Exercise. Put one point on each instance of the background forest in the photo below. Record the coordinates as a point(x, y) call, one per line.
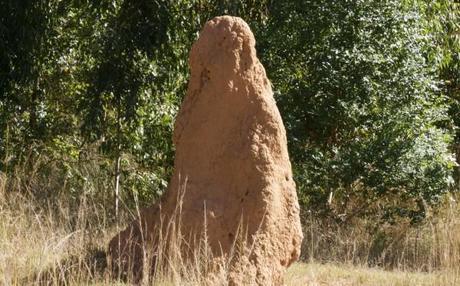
point(369, 92)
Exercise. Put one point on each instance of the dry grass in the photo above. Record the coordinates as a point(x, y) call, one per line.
point(60, 245)
point(428, 247)
point(38, 245)
point(314, 274)
point(63, 243)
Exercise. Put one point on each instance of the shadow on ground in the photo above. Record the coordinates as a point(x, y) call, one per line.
point(73, 270)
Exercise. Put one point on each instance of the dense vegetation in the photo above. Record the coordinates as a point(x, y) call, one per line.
point(368, 91)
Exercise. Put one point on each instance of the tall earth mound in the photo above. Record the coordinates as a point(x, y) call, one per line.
point(231, 154)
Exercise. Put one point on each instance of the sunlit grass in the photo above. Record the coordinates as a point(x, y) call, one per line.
point(57, 244)
point(314, 274)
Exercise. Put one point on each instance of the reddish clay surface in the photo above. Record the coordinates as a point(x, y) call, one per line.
point(231, 151)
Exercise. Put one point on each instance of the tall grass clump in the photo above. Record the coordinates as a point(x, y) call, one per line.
point(61, 239)
point(431, 245)
point(55, 227)
point(51, 240)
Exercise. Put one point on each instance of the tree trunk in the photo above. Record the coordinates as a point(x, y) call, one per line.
point(118, 160)
point(117, 182)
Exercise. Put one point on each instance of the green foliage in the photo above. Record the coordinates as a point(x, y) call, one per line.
point(442, 21)
point(25, 31)
point(360, 104)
